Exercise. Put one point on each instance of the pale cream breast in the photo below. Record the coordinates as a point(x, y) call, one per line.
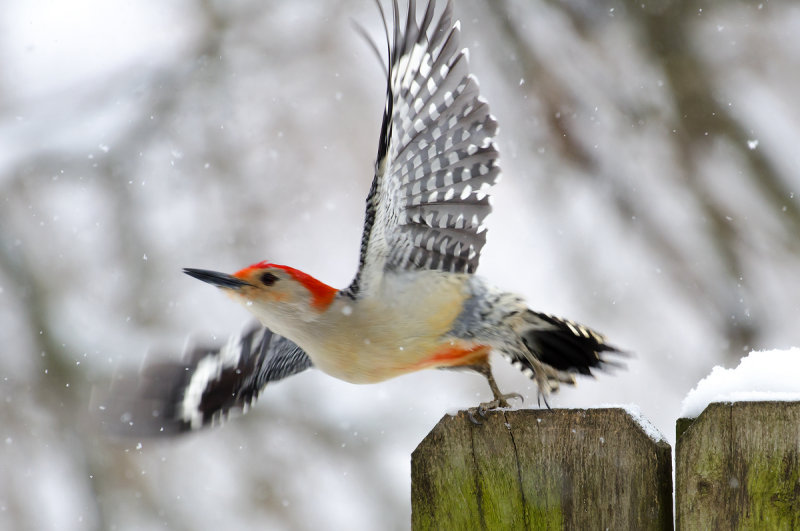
point(387, 332)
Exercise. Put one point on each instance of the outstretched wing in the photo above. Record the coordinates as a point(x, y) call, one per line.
point(436, 158)
point(172, 397)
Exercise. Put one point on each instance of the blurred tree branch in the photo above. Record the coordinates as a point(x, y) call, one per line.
point(697, 120)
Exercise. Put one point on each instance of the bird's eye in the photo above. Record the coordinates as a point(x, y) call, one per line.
point(268, 279)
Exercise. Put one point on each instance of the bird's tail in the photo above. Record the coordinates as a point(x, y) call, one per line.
point(558, 349)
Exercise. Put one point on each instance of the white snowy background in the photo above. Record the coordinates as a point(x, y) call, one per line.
point(650, 169)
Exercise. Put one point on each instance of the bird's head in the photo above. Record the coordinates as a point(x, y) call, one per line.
point(266, 288)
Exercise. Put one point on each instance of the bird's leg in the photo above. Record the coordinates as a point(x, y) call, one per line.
point(500, 399)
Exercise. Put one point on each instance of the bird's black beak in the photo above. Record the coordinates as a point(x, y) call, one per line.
point(220, 280)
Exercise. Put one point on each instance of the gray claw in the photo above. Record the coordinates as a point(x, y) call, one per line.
point(542, 398)
point(472, 417)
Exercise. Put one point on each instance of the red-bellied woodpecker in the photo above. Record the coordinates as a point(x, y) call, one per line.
point(414, 303)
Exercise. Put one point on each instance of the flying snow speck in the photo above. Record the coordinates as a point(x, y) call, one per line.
point(752, 144)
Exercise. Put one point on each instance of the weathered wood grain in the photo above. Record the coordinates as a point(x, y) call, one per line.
point(542, 469)
point(737, 467)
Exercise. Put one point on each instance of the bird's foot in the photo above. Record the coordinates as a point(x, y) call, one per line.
point(500, 401)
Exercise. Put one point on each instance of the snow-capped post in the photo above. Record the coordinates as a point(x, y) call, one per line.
point(737, 456)
point(543, 469)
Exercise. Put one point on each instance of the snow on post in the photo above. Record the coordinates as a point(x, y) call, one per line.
point(738, 462)
point(772, 375)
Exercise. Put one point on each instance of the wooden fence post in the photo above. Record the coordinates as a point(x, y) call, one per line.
point(737, 467)
point(541, 469)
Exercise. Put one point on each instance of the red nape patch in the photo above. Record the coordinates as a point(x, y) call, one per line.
point(322, 295)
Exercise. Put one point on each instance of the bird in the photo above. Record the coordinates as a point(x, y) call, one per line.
point(416, 301)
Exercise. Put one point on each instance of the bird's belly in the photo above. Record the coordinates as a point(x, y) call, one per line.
point(405, 326)
point(372, 361)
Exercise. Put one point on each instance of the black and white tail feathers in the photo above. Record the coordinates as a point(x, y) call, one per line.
point(171, 397)
point(559, 349)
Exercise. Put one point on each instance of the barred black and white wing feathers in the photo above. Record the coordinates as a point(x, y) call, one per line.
point(173, 397)
point(436, 157)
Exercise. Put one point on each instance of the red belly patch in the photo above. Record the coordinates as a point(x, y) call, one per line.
point(454, 356)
